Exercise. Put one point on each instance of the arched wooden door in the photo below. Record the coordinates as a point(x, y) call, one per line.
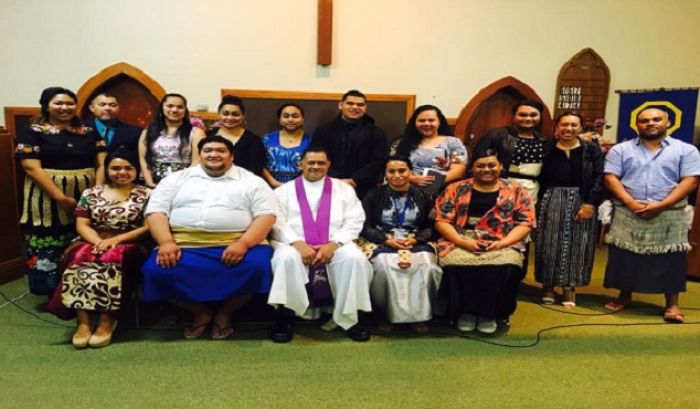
point(492, 108)
point(138, 94)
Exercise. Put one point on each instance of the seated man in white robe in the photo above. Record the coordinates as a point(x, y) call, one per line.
point(316, 265)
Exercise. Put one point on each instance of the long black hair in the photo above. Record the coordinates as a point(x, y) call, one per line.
point(411, 138)
point(158, 125)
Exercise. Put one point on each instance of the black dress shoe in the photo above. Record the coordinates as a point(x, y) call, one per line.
point(282, 332)
point(359, 333)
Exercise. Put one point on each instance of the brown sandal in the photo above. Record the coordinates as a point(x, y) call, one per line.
point(616, 305)
point(674, 316)
point(218, 332)
point(195, 331)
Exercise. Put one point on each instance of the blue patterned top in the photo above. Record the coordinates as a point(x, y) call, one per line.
point(451, 149)
point(282, 162)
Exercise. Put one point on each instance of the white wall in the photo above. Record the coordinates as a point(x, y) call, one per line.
point(444, 51)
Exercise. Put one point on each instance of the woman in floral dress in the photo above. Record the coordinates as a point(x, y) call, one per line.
point(483, 222)
point(166, 145)
point(110, 251)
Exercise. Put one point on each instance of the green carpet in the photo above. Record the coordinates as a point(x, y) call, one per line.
point(599, 366)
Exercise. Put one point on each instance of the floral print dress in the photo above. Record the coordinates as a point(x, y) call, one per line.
point(91, 281)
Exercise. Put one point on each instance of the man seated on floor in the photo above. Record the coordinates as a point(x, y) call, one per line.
point(319, 217)
point(210, 222)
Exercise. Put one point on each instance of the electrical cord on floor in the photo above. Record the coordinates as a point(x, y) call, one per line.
point(32, 313)
point(538, 336)
point(482, 339)
point(539, 303)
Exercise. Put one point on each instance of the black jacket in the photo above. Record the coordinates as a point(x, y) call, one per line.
point(503, 140)
point(589, 167)
point(379, 198)
point(125, 136)
point(357, 150)
point(249, 152)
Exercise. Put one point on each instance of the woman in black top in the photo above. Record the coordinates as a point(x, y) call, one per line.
point(571, 189)
point(248, 150)
point(60, 157)
point(406, 274)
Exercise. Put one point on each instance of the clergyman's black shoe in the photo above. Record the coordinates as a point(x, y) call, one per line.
point(359, 333)
point(282, 332)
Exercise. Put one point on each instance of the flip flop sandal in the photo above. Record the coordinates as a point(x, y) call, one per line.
point(674, 317)
point(615, 305)
point(196, 330)
point(219, 333)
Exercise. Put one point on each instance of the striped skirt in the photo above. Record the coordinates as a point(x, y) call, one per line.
point(564, 246)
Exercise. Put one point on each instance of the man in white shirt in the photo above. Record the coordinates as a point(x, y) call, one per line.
point(318, 219)
point(210, 222)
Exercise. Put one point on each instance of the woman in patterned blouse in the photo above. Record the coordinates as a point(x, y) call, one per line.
point(426, 142)
point(60, 157)
point(109, 254)
point(483, 222)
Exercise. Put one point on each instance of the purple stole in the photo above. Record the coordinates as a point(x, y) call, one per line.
point(316, 232)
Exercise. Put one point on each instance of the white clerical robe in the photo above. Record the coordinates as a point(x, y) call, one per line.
point(349, 271)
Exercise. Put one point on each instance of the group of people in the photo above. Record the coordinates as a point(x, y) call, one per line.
point(353, 224)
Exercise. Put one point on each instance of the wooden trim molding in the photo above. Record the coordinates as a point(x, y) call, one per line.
point(121, 68)
point(410, 100)
point(468, 111)
point(11, 270)
point(12, 112)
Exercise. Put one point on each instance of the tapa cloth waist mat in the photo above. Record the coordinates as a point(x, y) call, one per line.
point(665, 233)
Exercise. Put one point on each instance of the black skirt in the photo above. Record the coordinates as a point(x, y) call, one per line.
point(485, 291)
point(646, 273)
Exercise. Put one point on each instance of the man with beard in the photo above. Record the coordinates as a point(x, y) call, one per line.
point(357, 149)
point(520, 147)
point(650, 178)
point(115, 133)
point(210, 222)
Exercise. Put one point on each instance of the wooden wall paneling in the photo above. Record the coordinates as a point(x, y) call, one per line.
point(11, 239)
point(583, 85)
point(17, 118)
point(492, 106)
point(138, 93)
point(390, 111)
point(694, 254)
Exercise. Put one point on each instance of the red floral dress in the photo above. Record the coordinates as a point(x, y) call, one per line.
point(513, 208)
point(94, 281)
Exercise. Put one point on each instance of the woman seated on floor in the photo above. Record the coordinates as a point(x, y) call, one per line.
point(483, 222)
point(397, 230)
point(110, 251)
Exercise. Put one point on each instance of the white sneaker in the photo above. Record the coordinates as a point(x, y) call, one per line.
point(487, 325)
point(466, 322)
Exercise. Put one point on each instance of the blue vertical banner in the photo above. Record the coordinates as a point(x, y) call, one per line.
point(680, 105)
